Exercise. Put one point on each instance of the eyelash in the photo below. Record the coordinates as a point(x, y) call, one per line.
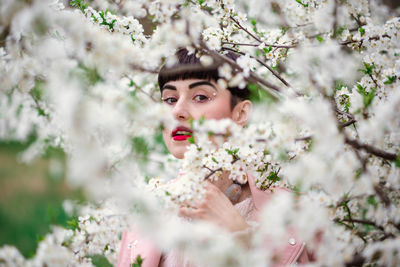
point(171, 100)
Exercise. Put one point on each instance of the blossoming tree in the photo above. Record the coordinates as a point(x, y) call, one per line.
point(324, 75)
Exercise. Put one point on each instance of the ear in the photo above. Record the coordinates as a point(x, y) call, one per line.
point(241, 112)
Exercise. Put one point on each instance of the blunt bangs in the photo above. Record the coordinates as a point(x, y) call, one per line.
point(189, 67)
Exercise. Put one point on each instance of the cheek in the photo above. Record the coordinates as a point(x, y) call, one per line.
point(218, 109)
point(165, 134)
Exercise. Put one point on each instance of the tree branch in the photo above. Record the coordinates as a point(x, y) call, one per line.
point(276, 74)
point(253, 77)
point(370, 149)
point(266, 44)
point(258, 39)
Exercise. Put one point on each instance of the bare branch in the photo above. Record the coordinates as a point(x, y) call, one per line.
point(305, 138)
point(363, 222)
point(382, 195)
point(253, 77)
point(362, 40)
point(212, 172)
point(370, 149)
point(266, 44)
point(258, 39)
point(276, 74)
point(347, 123)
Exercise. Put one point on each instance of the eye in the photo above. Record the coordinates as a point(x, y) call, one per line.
point(169, 100)
point(201, 98)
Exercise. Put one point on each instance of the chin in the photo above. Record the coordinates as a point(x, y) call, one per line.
point(178, 153)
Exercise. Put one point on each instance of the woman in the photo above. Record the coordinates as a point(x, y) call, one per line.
point(192, 95)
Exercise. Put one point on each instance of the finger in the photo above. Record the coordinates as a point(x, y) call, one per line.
point(188, 212)
point(209, 186)
point(191, 203)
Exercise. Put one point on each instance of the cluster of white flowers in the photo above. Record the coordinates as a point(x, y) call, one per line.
point(82, 78)
point(221, 146)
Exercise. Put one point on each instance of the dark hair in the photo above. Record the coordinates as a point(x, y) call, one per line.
point(182, 71)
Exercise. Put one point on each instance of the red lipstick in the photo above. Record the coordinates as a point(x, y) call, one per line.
point(181, 133)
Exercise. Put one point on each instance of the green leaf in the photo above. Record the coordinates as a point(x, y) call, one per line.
point(368, 97)
point(191, 140)
point(213, 159)
point(253, 22)
point(301, 3)
point(319, 38)
point(367, 68)
point(273, 176)
point(191, 121)
point(79, 4)
point(361, 30)
point(372, 201)
point(267, 50)
point(339, 30)
point(202, 119)
point(397, 161)
point(73, 224)
point(284, 30)
point(390, 79)
point(167, 193)
point(95, 19)
point(138, 262)
point(100, 261)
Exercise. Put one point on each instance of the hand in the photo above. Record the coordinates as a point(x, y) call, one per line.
point(217, 208)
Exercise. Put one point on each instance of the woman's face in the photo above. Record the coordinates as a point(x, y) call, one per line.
point(192, 99)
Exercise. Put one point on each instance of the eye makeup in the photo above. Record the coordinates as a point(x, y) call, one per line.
point(196, 95)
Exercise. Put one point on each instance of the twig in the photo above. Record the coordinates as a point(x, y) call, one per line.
point(266, 44)
point(276, 74)
point(335, 16)
point(362, 40)
point(347, 123)
point(370, 149)
point(357, 261)
point(364, 222)
point(360, 235)
point(305, 138)
point(139, 68)
point(243, 28)
point(258, 39)
point(353, 142)
point(382, 195)
point(367, 222)
point(219, 169)
point(253, 77)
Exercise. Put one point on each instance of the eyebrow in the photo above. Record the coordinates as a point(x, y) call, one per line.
point(191, 86)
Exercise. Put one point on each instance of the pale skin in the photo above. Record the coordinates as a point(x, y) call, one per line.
point(193, 99)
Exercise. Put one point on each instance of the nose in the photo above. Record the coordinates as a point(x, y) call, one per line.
point(180, 110)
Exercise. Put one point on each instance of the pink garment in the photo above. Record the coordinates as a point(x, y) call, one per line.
point(133, 244)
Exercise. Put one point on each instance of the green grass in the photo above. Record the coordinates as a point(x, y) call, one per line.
point(30, 198)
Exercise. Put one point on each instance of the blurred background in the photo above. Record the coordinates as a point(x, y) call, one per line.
point(31, 196)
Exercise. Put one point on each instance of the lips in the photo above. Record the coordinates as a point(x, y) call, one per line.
point(181, 133)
